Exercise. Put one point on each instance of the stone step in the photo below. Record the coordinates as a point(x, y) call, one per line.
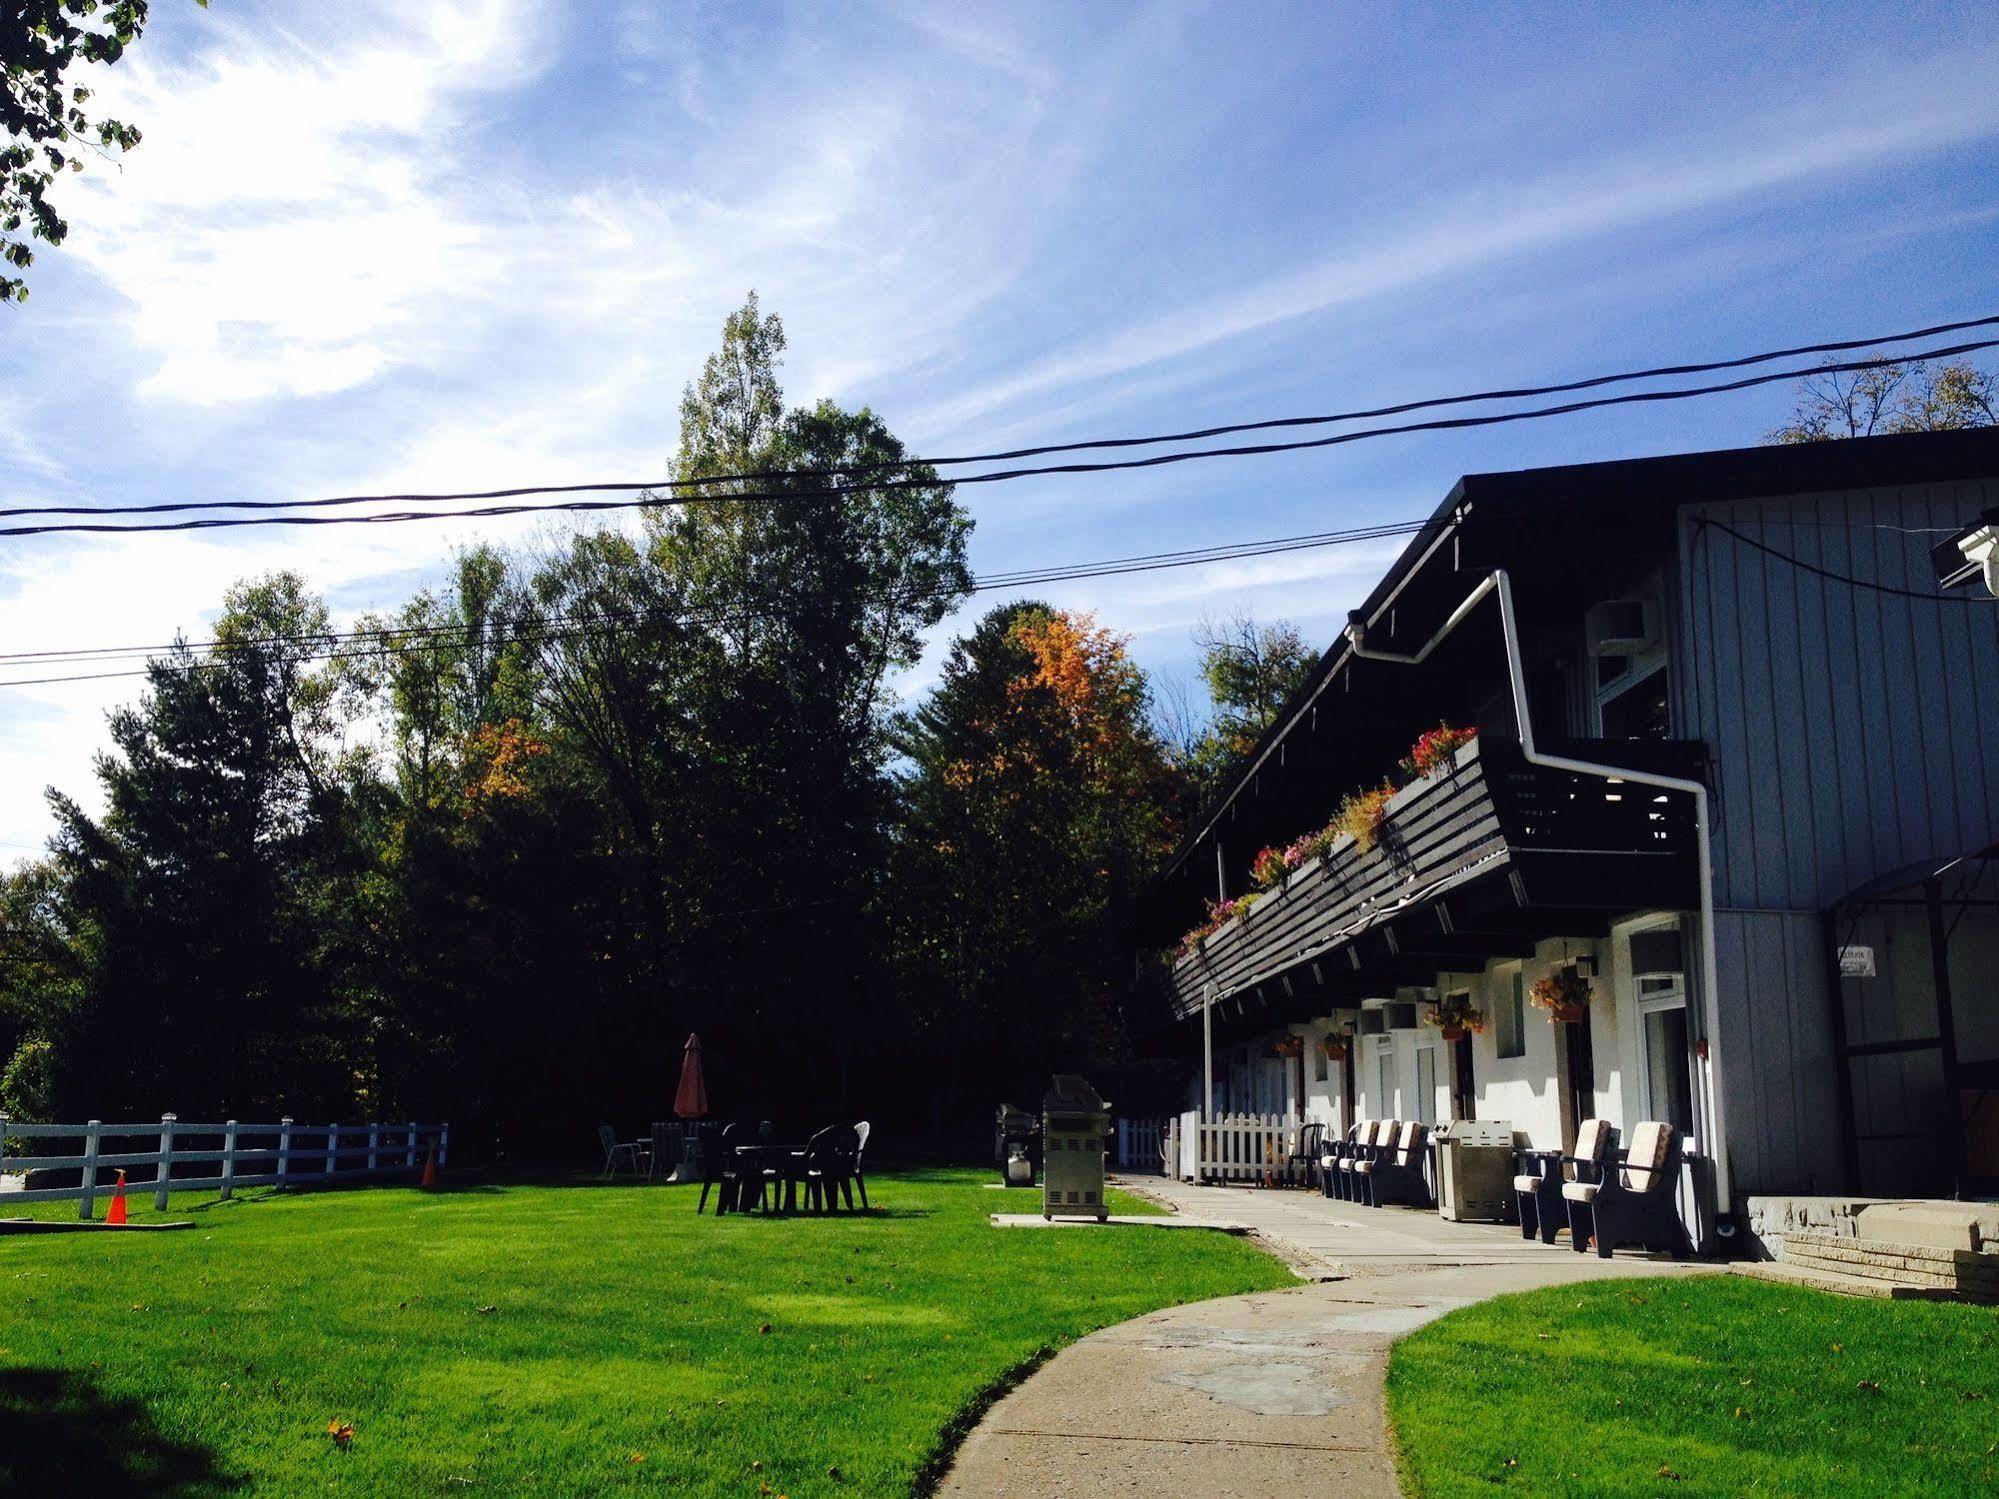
point(1926, 1279)
point(1783, 1272)
point(1928, 1254)
point(1972, 1276)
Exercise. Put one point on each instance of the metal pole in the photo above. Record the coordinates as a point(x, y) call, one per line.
point(164, 1177)
point(228, 1159)
point(87, 1203)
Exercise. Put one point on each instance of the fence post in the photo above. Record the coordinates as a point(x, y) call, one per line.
point(444, 1146)
point(87, 1204)
point(332, 1148)
point(409, 1141)
point(3, 1141)
point(163, 1177)
point(284, 1150)
point(228, 1159)
point(374, 1147)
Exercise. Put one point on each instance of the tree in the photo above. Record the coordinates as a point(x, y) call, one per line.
point(1250, 672)
point(815, 599)
point(1915, 396)
point(43, 115)
point(1035, 800)
point(202, 916)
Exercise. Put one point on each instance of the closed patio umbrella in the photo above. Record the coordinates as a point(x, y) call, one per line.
point(690, 1102)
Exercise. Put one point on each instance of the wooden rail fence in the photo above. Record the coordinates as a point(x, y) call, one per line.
point(245, 1155)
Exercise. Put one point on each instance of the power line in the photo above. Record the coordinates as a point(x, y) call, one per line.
point(1935, 597)
point(1011, 454)
point(560, 625)
point(650, 500)
point(1018, 577)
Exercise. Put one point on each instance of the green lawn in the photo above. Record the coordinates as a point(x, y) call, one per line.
point(1715, 1385)
point(574, 1339)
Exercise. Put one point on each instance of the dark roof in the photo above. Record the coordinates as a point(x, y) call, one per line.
point(1608, 509)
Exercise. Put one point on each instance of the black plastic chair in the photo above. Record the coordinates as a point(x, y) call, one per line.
point(856, 1176)
point(1543, 1209)
point(1395, 1172)
point(1635, 1202)
point(718, 1169)
point(1374, 1139)
point(1311, 1140)
point(826, 1159)
point(1332, 1152)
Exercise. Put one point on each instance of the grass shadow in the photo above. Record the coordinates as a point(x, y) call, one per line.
point(59, 1434)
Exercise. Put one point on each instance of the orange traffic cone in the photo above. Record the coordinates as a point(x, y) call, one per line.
point(117, 1213)
point(430, 1170)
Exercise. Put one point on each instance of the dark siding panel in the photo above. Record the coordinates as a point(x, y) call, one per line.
point(1853, 733)
point(1847, 725)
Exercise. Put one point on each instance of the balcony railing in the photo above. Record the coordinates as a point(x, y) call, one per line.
point(1527, 837)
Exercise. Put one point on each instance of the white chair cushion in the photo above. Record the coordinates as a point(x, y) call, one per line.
point(1580, 1191)
point(1649, 1144)
point(1365, 1168)
point(1592, 1140)
point(1526, 1183)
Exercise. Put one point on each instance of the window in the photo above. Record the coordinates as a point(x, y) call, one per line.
point(1318, 1061)
point(1662, 1017)
point(1426, 1084)
point(1509, 1020)
point(1638, 709)
point(1384, 1062)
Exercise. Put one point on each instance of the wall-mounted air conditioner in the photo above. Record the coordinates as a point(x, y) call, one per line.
point(1372, 1022)
point(1401, 1017)
point(1622, 627)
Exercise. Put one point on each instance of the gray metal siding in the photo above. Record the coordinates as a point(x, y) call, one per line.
point(1779, 1084)
point(1854, 733)
point(1849, 726)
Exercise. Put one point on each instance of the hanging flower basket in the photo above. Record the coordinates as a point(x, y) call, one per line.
point(1564, 994)
point(1454, 1017)
point(1288, 1046)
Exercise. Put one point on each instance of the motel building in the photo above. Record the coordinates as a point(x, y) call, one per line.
point(1727, 787)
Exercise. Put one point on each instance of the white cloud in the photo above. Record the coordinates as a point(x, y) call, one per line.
point(1887, 117)
point(281, 231)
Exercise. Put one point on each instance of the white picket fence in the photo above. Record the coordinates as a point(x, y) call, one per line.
point(1140, 1143)
point(1233, 1147)
point(290, 1154)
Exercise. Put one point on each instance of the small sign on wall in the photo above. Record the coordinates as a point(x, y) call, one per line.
point(1856, 962)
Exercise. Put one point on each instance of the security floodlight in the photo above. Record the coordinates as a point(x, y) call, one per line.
point(1971, 553)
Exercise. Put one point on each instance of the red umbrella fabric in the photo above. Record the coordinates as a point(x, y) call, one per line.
point(690, 1101)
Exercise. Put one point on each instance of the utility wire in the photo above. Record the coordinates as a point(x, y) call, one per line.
point(530, 629)
point(1934, 597)
point(1042, 450)
point(1053, 572)
point(653, 501)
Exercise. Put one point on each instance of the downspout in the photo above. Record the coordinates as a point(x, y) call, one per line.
point(1709, 1117)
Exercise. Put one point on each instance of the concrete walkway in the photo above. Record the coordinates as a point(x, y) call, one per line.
point(1265, 1394)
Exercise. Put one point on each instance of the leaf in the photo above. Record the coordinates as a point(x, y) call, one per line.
point(342, 1432)
point(1667, 1472)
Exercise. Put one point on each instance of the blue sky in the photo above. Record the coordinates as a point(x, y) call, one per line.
point(420, 245)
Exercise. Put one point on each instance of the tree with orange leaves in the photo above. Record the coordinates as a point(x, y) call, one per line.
point(1035, 801)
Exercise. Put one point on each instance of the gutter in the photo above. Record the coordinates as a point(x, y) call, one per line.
point(1708, 1114)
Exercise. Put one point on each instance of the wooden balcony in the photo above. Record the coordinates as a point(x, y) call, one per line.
point(1473, 863)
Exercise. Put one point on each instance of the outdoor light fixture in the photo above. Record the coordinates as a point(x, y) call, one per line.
point(1971, 553)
